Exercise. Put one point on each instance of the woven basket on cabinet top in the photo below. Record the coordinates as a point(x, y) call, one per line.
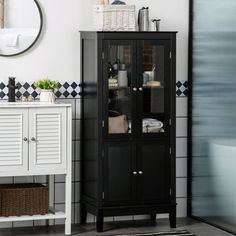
point(23, 199)
point(114, 17)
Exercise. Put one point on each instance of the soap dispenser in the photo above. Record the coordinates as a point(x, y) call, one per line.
point(12, 89)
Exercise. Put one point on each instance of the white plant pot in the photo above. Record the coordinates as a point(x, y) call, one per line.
point(47, 96)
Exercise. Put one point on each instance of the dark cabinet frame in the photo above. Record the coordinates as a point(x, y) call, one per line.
point(96, 143)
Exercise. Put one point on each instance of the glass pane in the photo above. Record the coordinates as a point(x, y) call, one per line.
point(119, 86)
point(213, 112)
point(153, 88)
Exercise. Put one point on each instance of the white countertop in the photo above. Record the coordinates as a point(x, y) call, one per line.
point(19, 104)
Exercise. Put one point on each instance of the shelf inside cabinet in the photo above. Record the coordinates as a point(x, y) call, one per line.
point(152, 87)
point(118, 88)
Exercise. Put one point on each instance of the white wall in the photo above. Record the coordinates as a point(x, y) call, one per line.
point(57, 53)
point(21, 14)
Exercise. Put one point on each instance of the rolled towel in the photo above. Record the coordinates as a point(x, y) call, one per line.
point(11, 40)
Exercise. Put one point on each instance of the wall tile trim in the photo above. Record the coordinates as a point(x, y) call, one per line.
point(65, 90)
point(69, 90)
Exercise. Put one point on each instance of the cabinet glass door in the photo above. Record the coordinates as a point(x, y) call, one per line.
point(153, 86)
point(119, 63)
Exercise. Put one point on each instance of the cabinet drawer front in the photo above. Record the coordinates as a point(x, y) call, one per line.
point(47, 138)
point(13, 148)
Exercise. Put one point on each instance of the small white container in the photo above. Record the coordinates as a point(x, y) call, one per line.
point(150, 75)
point(47, 96)
point(122, 78)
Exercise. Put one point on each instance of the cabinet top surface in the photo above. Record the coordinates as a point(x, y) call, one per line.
point(5, 104)
point(132, 32)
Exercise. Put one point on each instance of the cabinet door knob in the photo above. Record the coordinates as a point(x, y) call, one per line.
point(25, 139)
point(134, 89)
point(140, 89)
point(140, 172)
point(135, 173)
point(33, 139)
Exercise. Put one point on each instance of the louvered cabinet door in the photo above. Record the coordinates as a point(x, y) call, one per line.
point(47, 134)
point(13, 147)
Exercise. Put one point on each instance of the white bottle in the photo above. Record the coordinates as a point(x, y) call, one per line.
point(122, 78)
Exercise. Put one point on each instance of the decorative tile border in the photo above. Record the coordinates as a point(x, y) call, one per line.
point(182, 88)
point(69, 90)
point(65, 90)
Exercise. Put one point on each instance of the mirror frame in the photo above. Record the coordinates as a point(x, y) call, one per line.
point(36, 39)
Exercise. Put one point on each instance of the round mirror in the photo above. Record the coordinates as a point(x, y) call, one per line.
point(20, 26)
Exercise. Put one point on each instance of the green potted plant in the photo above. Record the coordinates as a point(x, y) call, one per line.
point(47, 87)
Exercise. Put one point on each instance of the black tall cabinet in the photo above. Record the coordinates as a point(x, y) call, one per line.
point(128, 124)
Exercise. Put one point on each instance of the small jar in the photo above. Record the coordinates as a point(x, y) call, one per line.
point(30, 98)
point(24, 99)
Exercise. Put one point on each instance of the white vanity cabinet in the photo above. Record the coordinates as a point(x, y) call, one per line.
point(36, 139)
point(33, 140)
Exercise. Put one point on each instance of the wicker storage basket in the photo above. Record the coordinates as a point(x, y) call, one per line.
point(114, 17)
point(23, 199)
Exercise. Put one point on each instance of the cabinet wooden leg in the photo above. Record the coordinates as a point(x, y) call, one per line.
point(99, 221)
point(153, 217)
point(172, 217)
point(83, 214)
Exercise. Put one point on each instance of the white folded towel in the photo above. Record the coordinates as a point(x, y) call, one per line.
point(152, 123)
point(153, 129)
point(152, 126)
point(113, 81)
point(11, 40)
point(113, 85)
